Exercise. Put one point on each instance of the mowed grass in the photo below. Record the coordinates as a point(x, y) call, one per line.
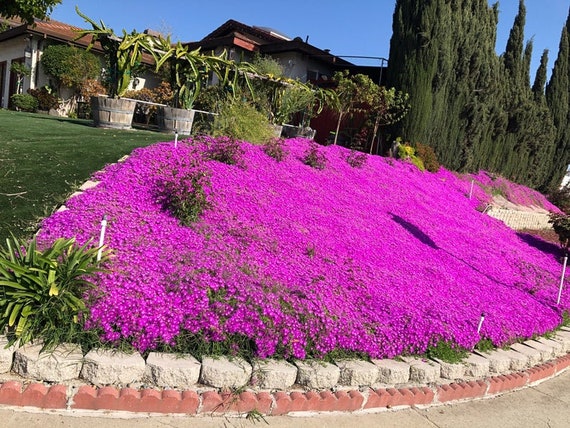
point(44, 159)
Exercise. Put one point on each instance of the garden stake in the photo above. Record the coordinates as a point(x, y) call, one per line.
point(175, 139)
point(471, 189)
point(102, 237)
point(562, 278)
point(481, 322)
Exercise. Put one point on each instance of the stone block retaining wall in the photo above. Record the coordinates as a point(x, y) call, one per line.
point(520, 219)
point(168, 383)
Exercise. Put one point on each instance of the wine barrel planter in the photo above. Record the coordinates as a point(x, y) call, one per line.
point(116, 113)
point(171, 119)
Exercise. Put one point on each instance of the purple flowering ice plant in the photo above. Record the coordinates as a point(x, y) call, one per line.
point(382, 260)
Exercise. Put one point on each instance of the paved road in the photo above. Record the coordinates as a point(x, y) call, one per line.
point(546, 405)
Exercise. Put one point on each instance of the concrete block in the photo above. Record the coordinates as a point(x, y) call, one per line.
point(476, 366)
point(6, 355)
point(273, 374)
point(518, 360)
point(563, 337)
point(392, 372)
point(557, 347)
point(451, 370)
point(89, 184)
point(171, 370)
point(546, 351)
point(62, 364)
point(533, 355)
point(499, 362)
point(223, 372)
point(109, 367)
point(357, 372)
point(317, 374)
point(423, 371)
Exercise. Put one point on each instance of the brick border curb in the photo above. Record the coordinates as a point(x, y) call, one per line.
point(62, 397)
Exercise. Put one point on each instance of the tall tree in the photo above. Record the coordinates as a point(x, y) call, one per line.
point(27, 9)
point(558, 99)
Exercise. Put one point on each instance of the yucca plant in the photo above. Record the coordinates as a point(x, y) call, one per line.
point(41, 290)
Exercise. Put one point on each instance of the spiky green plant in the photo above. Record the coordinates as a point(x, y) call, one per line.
point(41, 291)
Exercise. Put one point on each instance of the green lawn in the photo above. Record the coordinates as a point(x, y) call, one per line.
point(43, 159)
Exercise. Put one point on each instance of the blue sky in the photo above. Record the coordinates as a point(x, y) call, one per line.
point(355, 27)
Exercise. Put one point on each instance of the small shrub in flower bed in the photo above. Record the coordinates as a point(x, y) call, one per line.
point(293, 261)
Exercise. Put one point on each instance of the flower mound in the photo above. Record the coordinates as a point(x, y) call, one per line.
point(381, 259)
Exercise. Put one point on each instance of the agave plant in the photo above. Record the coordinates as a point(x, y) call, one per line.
point(41, 290)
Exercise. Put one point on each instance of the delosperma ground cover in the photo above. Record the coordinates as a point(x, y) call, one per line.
point(383, 259)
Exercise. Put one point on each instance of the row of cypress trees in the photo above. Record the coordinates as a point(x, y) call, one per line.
point(476, 109)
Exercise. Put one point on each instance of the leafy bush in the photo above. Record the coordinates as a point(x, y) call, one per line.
point(240, 120)
point(561, 225)
point(70, 66)
point(428, 157)
point(46, 100)
point(182, 192)
point(407, 152)
point(561, 198)
point(24, 102)
point(143, 112)
point(223, 149)
point(276, 149)
point(356, 159)
point(91, 88)
point(314, 157)
point(41, 290)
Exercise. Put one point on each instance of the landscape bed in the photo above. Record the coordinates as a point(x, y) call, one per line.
point(289, 260)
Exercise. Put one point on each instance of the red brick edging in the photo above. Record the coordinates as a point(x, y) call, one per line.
point(38, 395)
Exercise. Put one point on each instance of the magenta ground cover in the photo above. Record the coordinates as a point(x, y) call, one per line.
point(383, 259)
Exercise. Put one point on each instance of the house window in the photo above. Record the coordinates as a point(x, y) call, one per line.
point(312, 75)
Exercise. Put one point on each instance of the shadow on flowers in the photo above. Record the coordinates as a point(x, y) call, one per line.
point(415, 231)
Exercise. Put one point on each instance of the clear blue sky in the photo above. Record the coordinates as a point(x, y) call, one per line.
point(355, 27)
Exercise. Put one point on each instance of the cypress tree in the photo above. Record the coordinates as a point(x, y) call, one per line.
point(558, 99)
point(413, 63)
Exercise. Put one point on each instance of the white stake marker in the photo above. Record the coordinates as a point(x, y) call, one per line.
point(102, 237)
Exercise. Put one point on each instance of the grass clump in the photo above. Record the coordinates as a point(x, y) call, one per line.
point(446, 351)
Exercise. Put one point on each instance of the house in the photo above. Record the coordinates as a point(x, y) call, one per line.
point(299, 59)
point(24, 43)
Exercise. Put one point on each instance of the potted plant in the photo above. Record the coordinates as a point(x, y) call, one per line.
point(189, 71)
point(123, 55)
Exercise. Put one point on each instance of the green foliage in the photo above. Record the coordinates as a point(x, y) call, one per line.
point(21, 70)
point(485, 345)
point(70, 66)
point(224, 149)
point(314, 157)
point(356, 159)
point(24, 102)
point(561, 198)
point(185, 195)
point(561, 225)
point(407, 152)
point(447, 351)
point(275, 148)
point(41, 291)
point(240, 120)
point(46, 99)
point(474, 108)
point(123, 54)
point(428, 156)
point(266, 65)
point(27, 9)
